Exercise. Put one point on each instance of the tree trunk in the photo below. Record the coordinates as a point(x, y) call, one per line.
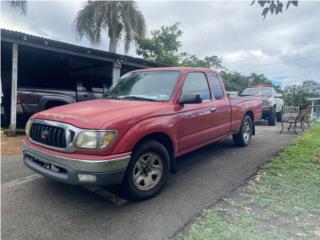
point(113, 45)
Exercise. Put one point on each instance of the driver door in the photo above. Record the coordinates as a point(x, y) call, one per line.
point(194, 120)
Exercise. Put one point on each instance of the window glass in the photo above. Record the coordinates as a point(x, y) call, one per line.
point(264, 92)
point(217, 88)
point(147, 85)
point(196, 83)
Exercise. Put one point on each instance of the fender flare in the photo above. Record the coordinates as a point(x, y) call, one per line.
point(45, 99)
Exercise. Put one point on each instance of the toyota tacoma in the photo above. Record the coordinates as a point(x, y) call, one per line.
point(133, 135)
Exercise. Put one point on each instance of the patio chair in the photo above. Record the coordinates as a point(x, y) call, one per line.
point(294, 121)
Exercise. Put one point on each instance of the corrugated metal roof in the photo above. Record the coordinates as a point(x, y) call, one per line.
point(28, 39)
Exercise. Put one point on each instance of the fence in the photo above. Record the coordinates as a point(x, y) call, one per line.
point(290, 111)
point(316, 112)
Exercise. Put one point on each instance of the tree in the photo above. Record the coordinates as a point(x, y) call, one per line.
point(117, 18)
point(162, 46)
point(193, 61)
point(234, 81)
point(273, 6)
point(296, 95)
point(311, 86)
point(258, 79)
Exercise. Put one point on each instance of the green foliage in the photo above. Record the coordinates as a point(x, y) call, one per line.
point(296, 95)
point(258, 79)
point(282, 202)
point(273, 6)
point(117, 18)
point(162, 46)
point(188, 60)
point(235, 81)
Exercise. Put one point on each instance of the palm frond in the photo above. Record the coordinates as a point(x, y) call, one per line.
point(21, 6)
point(117, 18)
point(133, 22)
point(89, 21)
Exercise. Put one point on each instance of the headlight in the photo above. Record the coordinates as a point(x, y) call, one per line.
point(28, 127)
point(94, 139)
point(87, 140)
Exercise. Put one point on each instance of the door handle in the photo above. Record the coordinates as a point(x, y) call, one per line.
point(213, 109)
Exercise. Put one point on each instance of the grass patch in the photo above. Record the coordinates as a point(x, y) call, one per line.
point(282, 202)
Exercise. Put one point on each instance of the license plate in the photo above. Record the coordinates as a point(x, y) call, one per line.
point(48, 166)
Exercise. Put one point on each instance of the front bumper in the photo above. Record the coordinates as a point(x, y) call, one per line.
point(266, 112)
point(69, 170)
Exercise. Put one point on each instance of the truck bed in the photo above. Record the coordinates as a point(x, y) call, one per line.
point(239, 99)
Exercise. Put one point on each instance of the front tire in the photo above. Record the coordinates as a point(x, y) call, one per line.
point(279, 116)
point(272, 120)
point(243, 138)
point(147, 172)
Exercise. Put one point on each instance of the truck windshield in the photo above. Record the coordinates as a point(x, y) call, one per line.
point(144, 86)
point(263, 92)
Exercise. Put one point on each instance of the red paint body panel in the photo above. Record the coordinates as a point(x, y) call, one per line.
point(189, 126)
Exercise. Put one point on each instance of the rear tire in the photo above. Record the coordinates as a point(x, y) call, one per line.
point(243, 138)
point(272, 120)
point(147, 172)
point(279, 116)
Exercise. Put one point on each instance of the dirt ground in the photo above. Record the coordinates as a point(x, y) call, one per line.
point(11, 145)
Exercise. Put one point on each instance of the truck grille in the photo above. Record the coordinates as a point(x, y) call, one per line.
point(48, 135)
point(265, 102)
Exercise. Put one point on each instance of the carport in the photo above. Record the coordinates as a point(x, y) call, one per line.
point(32, 61)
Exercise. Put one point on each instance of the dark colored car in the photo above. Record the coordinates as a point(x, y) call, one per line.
point(33, 100)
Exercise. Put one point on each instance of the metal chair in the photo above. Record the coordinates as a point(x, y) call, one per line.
point(300, 118)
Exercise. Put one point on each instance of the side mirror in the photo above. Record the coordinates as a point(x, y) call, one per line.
point(279, 95)
point(190, 99)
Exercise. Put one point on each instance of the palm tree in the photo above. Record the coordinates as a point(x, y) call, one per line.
point(117, 18)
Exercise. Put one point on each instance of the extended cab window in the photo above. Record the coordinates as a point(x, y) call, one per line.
point(196, 83)
point(217, 88)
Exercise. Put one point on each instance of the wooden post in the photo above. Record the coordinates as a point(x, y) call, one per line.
point(312, 109)
point(14, 84)
point(116, 71)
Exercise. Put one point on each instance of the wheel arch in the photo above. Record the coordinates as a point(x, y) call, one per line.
point(165, 140)
point(47, 100)
point(54, 103)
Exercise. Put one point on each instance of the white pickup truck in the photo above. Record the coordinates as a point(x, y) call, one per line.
point(272, 102)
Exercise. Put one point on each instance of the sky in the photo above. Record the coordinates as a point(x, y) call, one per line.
point(285, 48)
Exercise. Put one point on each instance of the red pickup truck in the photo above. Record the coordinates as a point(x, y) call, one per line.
point(133, 135)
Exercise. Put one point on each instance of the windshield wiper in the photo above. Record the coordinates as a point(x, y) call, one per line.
point(138, 98)
point(110, 97)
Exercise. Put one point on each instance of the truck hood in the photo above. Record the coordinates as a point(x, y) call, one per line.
point(104, 113)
